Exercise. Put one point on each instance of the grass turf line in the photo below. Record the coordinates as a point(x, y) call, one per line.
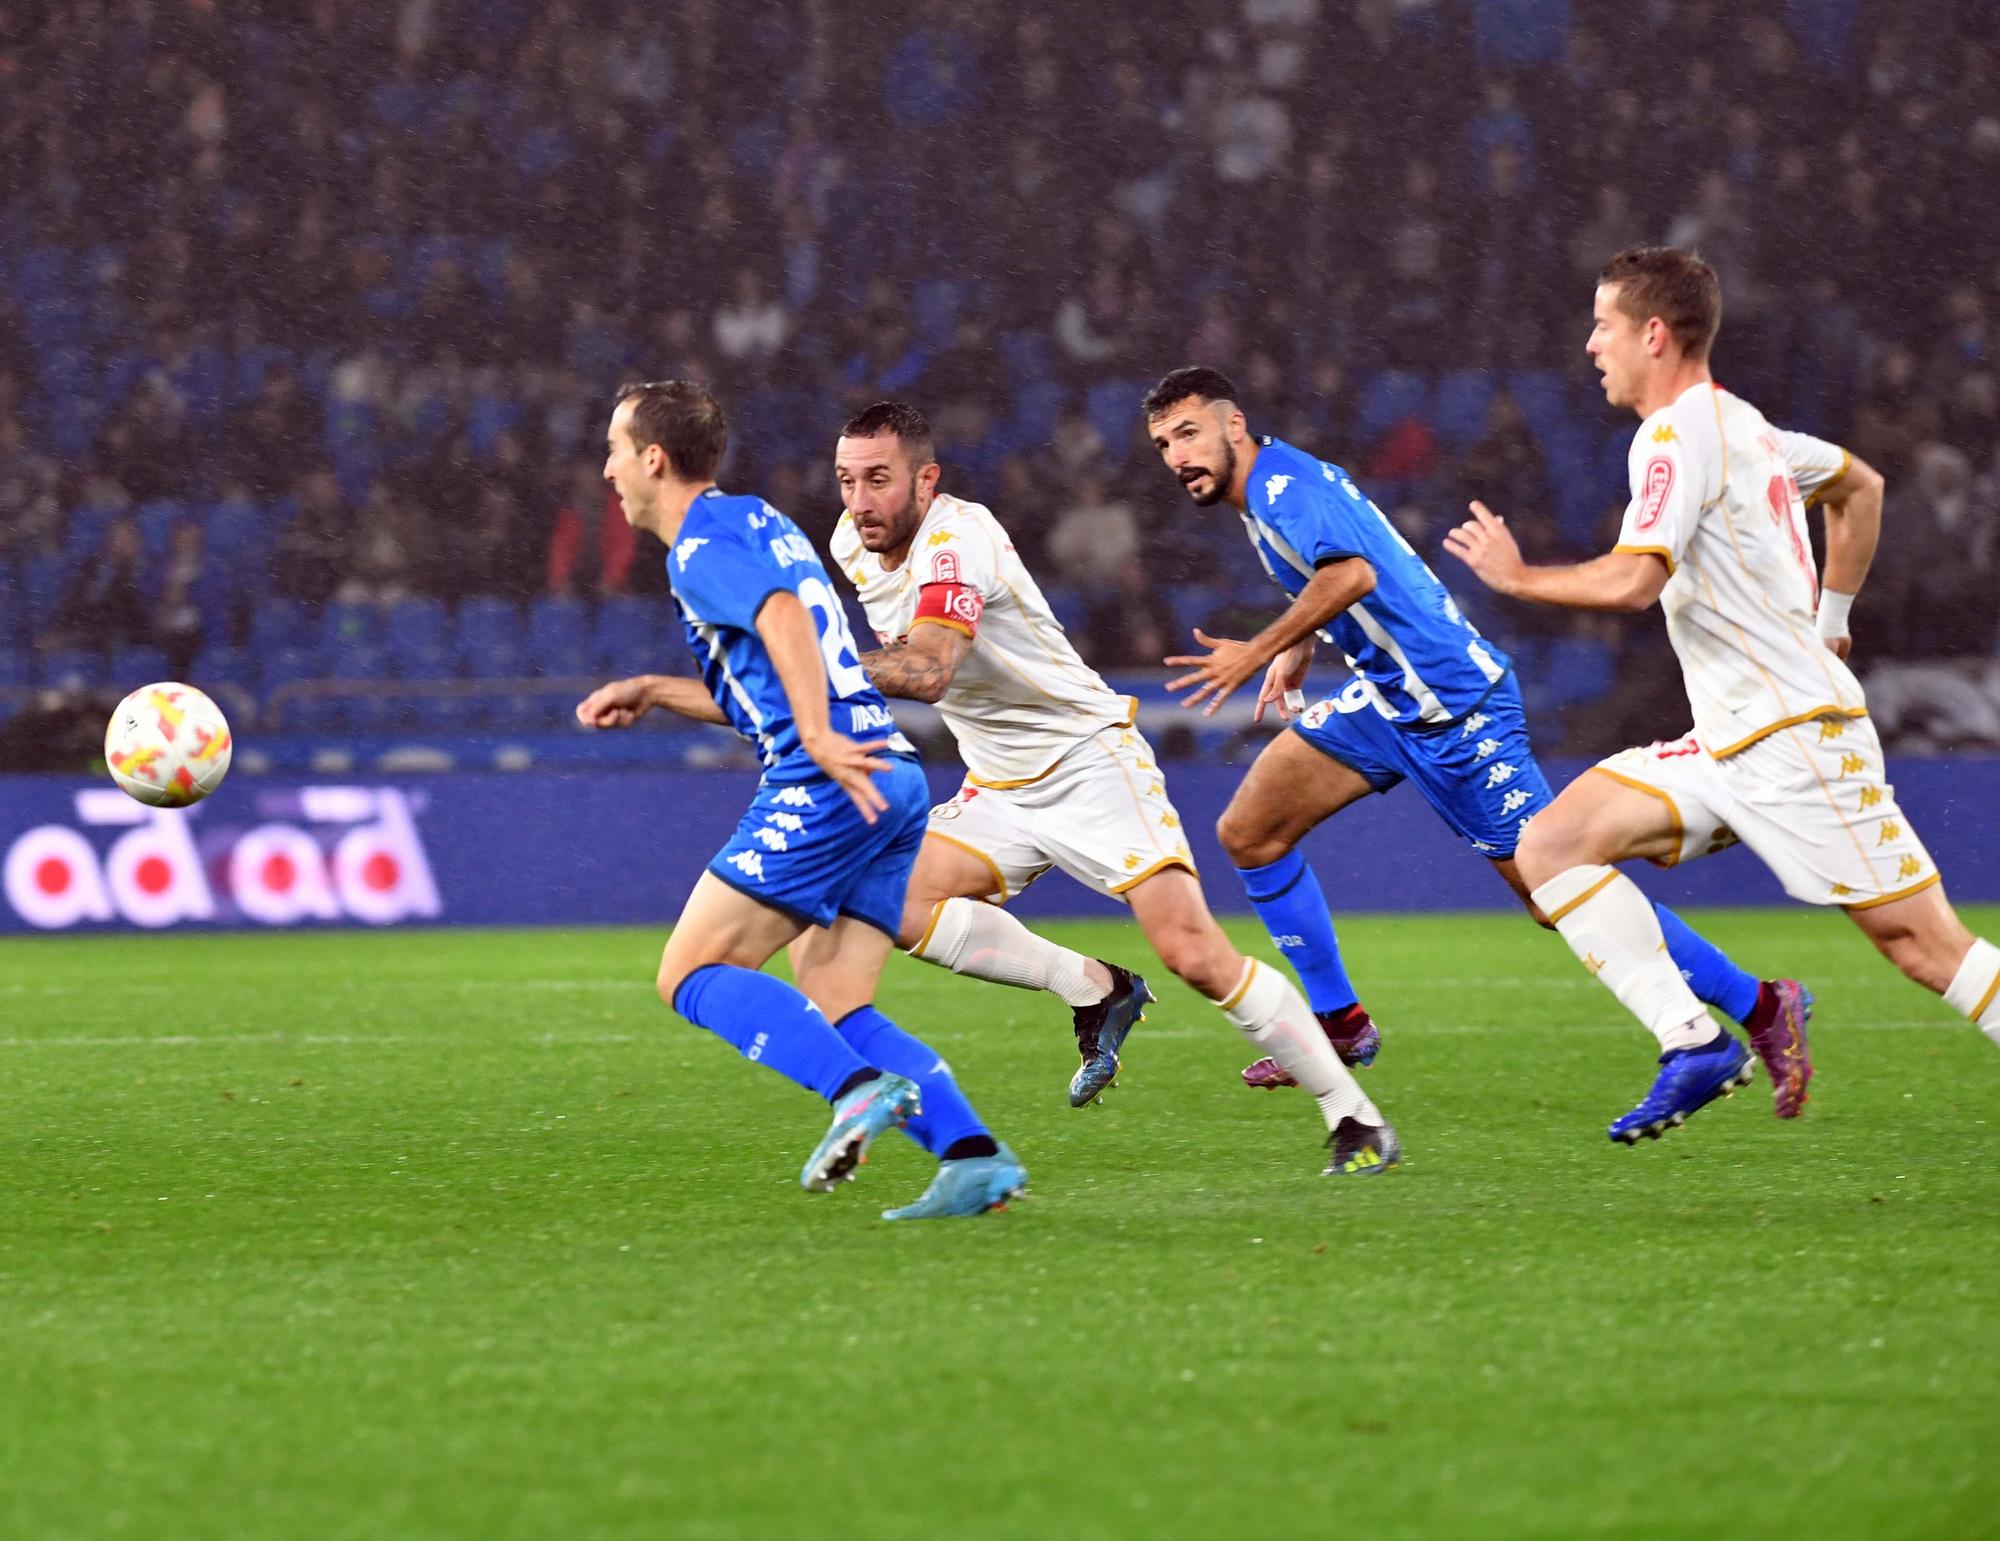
point(463, 1234)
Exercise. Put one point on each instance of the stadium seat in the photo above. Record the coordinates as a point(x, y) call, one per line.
point(416, 626)
point(17, 668)
point(67, 668)
point(43, 577)
point(1459, 414)
point(558, 636)
point(632, 634)
point(487, 639)
point(1539, 393)
point(1113, 409)
point(222, 665)
point(278, 624)
point(131, 667)
point(347, 625)
point(1387, 397)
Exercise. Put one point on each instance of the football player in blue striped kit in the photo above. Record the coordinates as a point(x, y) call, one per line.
point(1423, 697)
point(830, 837)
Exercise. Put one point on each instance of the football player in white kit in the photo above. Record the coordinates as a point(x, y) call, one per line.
point(1058, 776)
point(1782, 756)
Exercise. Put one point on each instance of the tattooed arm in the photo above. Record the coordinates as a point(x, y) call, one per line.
point(921, 666)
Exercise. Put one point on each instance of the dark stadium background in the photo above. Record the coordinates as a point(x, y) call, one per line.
point(309, 313)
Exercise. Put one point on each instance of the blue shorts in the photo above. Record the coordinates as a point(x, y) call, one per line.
point(804, 849)
point(1479, 773)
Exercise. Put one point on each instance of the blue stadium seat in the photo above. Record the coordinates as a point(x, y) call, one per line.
point(345, 625)
point(417, 626)
point(222, 665)
point(131, 667)
point(1113, 409)
point(1387, 397)
point(1038, 405)
point(345, 658)
point(17, 668)
point(1463, 399)
point(83, 534)
point(68, 667)
point(43, 577)
point(632, 634)
point(1539, 393)
point(487, 642)
point(558, 637)
point(938, 302)
point(277, 625)
point(284, 666)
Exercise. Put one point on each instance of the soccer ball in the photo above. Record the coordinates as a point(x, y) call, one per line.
point(167, 745)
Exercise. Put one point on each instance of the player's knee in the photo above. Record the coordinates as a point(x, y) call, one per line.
point(1190, 953)
point(1245, 841)
point(1548, 848)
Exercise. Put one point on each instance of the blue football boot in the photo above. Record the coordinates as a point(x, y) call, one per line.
point(967, 1187)
point(887, 1102)
point(1101, 1031)
point(1689, 1080)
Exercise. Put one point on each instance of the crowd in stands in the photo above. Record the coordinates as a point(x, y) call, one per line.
point(314, 310)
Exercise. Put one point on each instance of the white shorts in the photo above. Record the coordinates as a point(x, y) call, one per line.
point(1101, 814)
point(1809, 800)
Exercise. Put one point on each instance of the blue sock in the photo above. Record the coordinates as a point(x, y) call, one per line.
point(1708, 971)
point(947, 1117)
point(1287, 899)
point(767, 1020)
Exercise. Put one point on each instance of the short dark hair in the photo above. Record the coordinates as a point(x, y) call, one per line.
point(684, 419)
point(1675, 285)
point(899, 418)
point(1195, 380)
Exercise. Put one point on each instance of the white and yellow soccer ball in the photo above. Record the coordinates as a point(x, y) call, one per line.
point(167, 745)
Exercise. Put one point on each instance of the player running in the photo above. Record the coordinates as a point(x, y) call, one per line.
point(1427, 700)
point(1058, 777)
point(830, 836)
point(1782, 756)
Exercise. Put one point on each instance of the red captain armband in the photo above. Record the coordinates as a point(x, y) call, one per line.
point(956, 605)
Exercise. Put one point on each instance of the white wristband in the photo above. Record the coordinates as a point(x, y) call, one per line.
point(1295, 701)
point(1833, 608)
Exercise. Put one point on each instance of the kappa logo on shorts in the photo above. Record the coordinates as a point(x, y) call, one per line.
point(749, 863)
point(794, 797)
point(1659, 486)
point(787, 821)
point(1487, 746)
point(774, 840)
point(1500, 775)
point(1513, 800)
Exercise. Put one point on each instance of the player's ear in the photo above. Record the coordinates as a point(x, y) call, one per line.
point(927, 479)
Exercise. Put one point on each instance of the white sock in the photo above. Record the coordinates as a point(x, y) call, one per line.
point(1269, 1012)
point(1974, 990)
point(1610, 925)
point(969, 936)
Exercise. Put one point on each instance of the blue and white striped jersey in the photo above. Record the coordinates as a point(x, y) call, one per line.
point(732, 553)
point(1426, 663)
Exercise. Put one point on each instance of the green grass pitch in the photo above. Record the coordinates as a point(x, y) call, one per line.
point(464, 1235)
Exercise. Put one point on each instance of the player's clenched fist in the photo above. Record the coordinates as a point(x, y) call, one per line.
point(1487, 546)
point(617, 705)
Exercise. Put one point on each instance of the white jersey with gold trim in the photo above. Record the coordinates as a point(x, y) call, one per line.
point(1722, 496)
point(1022, 698)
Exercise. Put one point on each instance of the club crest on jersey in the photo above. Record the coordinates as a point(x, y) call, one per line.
point(944, 567)
point(1659, 486)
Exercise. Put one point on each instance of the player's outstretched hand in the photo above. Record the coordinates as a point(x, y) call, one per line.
point(1487, 546)
point(852, 766)
point(617, 705)
point(1284, 684)
point(1217, 674)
